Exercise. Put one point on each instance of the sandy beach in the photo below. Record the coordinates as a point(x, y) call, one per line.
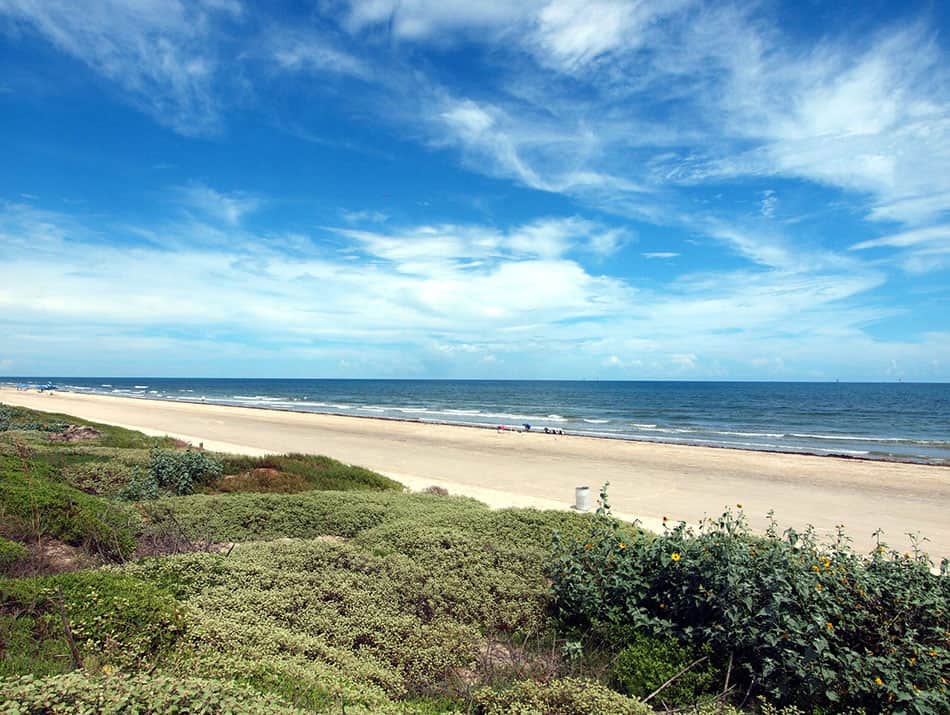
point(647, 481)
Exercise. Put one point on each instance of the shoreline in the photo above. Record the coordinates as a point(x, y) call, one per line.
point(647, 480)
point(894, 459)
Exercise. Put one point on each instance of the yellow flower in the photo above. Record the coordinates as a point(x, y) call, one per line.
point(675, 556)
point(912, 661)
point(588, 546)
point(815, 568)
point(827, 563)
point(817, 586)
point(623, 545)
point(878, 680)
point(830, 626)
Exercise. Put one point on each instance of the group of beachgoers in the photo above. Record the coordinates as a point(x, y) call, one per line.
point(527, 428)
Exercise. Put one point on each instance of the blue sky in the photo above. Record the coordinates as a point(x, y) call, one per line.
point(433, 188)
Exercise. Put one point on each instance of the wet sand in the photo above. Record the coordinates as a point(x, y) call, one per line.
point(647, 480)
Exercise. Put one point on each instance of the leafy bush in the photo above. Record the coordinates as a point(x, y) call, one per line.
point(81, 693)
point(35, 502)
point(813, 625)
point(566, 696)
point(289, 473)
point(646, 663)
point(177, 471)
point(115, 619)
point(10, 553)
point(181, 471)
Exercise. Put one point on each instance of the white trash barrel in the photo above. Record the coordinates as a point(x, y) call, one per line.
point(582, 498)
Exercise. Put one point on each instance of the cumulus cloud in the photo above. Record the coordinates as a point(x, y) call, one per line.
point(477, 291)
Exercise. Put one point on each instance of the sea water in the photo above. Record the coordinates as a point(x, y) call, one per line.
point(887, 421)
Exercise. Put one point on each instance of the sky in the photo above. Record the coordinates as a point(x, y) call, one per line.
point(608, 189)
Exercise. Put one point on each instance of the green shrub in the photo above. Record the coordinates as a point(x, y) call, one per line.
point(821, 627)
point(298, 472)
point(35, 502)
point(10, 553)
point(176, 471)
point(566, 696)
point(95, 476)
point(646, 663)
point(182, 470)
point(248, 517)
point(115, 618)
point(473, 576)
point(80, 693)
point(327, 601)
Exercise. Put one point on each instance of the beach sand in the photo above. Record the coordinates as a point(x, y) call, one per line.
point(647, 481)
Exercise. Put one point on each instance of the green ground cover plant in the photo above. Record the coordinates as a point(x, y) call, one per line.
point(10, 553)
point(36, 503)
point(115, 620)
point(299, 584)
point(290, 473)
point(141, 693)
point(806, 624)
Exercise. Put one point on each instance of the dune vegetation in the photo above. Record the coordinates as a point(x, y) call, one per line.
point(140, 575)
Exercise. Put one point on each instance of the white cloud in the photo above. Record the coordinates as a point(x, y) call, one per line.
point(478, 291)
point(226, 208)
point(161, 53)
point(934, 234)
point(660, 254)
point(424, 19)
point(571, 34)
point(302, 51)
point(418, 249)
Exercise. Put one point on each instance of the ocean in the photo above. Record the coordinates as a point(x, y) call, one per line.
point(885, 421)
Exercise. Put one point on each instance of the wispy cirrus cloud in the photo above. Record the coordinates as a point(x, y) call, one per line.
point(228, 208)
point(162, 54)
point(866, 114)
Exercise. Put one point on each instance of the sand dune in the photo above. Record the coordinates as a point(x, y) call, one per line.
point(647, 481)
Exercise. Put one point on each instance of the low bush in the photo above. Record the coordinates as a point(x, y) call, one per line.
point(567, 696)
point(476, 577)
point(23, 419)
point(115, 619)
point(35, 502)
point(647, 663)
point(10, 553)
point(81, 693)
point(250, 517)
point(290, 473)
point(327, 601)
point(170, 470)
point(807, 624)
point(106, 478)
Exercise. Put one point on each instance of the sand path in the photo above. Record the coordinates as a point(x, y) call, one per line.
point(647, 481)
